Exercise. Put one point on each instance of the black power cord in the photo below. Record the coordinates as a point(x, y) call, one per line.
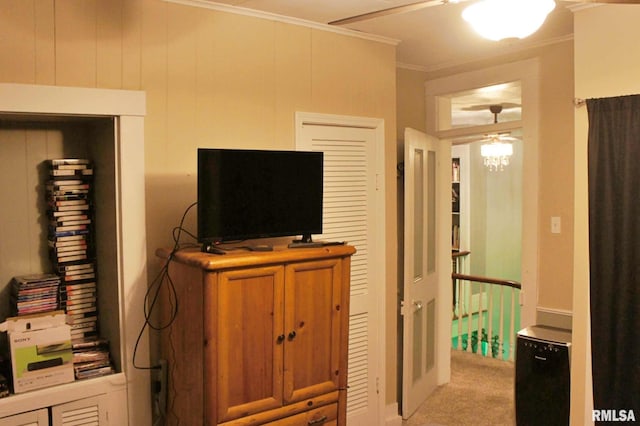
point(150, 299)
point(154, 290)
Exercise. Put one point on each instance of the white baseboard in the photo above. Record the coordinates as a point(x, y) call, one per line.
point(392, 418)
point(554, 317)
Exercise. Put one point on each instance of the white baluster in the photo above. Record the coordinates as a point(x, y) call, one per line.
point(512, 324)
point(460, 315)
point(501, 334)
point(490, 318)
point(469, 313)
point(480, 316)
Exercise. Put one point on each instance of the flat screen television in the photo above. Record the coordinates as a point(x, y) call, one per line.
point(249, 194)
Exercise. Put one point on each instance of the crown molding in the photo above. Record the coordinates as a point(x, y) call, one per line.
point(507, 51)
point(411, 67)
point(205, 4)
point(575, 7)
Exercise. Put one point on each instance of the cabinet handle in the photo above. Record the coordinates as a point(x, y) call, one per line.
point(280, 338)
point(292, 335)
point(317, 421)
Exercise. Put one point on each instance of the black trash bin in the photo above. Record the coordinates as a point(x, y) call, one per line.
point(542, 388)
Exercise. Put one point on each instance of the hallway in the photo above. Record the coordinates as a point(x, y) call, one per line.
point(480, 393)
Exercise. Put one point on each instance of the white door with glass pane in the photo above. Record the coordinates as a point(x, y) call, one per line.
point(426, 261)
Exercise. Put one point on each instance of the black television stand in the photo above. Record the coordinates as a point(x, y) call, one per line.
point(214, 249)
point(305, 242)
point(300, 244)
point(211, 248)
point(260, 247)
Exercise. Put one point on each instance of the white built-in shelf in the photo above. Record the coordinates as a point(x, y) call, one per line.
point(41, 122)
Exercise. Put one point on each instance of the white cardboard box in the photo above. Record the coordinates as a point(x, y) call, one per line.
point(41, 354)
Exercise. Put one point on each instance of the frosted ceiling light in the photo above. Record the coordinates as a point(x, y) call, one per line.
point(500, 19)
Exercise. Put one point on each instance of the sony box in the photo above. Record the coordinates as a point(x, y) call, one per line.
point(41, 354)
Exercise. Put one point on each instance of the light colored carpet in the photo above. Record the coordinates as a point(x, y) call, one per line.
point(481, 392)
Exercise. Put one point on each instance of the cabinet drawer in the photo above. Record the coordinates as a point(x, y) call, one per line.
point(327, 415)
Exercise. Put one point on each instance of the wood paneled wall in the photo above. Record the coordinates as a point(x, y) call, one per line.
point(212, 79)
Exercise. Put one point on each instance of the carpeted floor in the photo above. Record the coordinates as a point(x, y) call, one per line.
point(480, 393)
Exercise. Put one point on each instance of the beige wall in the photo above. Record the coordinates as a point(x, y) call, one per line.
point(212, 79)
point(555, 275)
point(411, 103)
point(604, 67)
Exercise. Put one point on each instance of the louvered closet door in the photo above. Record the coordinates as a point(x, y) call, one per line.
point(350, 215)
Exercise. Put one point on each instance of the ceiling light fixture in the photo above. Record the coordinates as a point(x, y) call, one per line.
point(496, 153)
point(500, 19)
point(496, 148)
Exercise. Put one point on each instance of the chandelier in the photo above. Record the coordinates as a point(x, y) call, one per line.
point(500, 19)
point(496, 148)
point(496, 152)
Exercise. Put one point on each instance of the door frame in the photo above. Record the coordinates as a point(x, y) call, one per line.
point(527, 72)
point(377, 256)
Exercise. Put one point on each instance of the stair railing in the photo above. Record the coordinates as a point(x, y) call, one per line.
point(474, 315)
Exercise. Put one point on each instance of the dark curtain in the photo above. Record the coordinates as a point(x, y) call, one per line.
point(614, 247)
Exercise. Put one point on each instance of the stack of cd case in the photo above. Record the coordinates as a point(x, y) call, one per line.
point(34, 293)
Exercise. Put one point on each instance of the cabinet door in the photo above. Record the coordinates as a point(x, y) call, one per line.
point(87, 411)
point(31, 418)
point(250, 341)
point(312, 329)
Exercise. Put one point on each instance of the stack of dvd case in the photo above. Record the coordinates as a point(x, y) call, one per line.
point(91, 358)
point(35, 293)
point(69, 191)
point(71, 241)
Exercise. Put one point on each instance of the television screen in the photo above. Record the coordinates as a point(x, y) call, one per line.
point(246, 194)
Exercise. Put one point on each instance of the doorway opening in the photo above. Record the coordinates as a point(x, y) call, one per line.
point(486, 244)
point(486, 218)
point(439, 123)
point(458, 109)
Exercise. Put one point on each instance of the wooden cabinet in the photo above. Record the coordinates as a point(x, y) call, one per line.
point(259, 337)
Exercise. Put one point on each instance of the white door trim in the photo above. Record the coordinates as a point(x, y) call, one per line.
point(377, 256)
point(527, 72)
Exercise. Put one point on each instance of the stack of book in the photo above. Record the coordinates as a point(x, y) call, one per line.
point(69, 196)
point(91, 358)
point(36, 293)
